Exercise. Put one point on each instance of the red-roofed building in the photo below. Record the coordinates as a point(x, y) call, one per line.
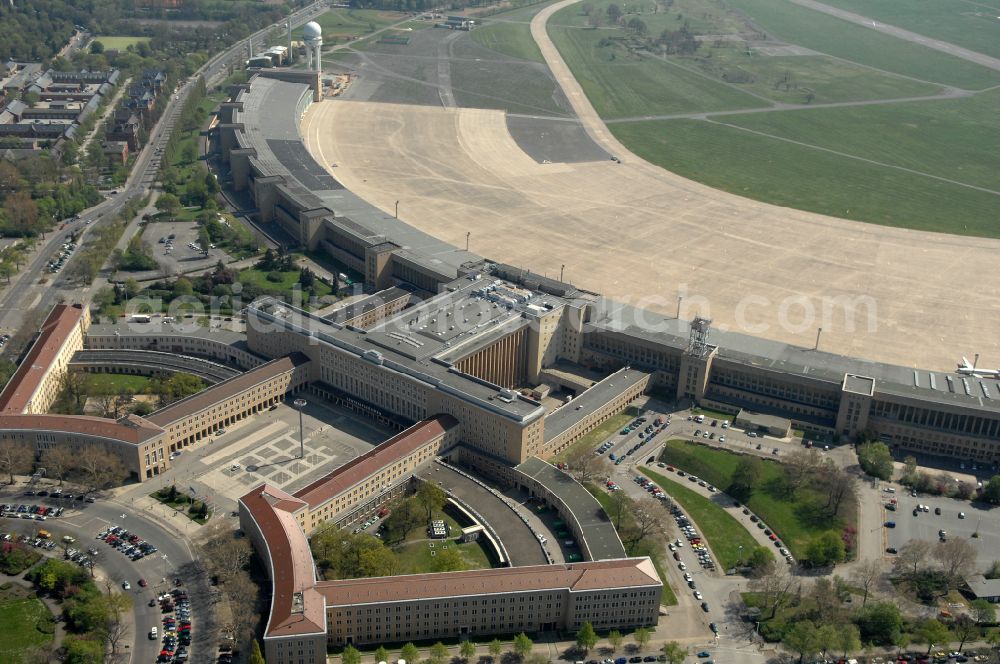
point(36, 383)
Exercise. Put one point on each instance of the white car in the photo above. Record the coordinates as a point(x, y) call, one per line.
point(126, 585)
point(697, 594)
point(153, 633)
point(681, 566)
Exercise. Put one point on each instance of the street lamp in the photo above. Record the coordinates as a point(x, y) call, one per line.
point(300, 404)
point(741, 554)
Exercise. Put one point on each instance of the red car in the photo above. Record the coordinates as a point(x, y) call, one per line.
point(142, 583)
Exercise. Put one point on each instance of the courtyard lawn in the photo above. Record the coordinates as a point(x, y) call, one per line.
point(796, 519)
point(116, 384)
point(258, 278)
point(20, 620)
point(418, 557)
point(723, 532)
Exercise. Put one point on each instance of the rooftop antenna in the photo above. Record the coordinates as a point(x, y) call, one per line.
point(819, 331)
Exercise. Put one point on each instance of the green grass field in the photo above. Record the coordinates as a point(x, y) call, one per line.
point(724, 533)
point(826, 34)
point(416, 558)
point(921, 164)
point(19, 620)
point(120, 42)
point(252, 275)
point(798, 176)
point(116, 383)
point(973, 25)
point(340, 24)
point(793, 520)
point(513, 39)
point(806, 79)
point(624, 86)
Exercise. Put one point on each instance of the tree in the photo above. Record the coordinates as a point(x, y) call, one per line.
point(825, 549)
point(22, 212)
point(839, 486)
point(496, 647)
point(257, 658)
point(647, 522)
point(615, 640)
point(848, 639)
point(909, 470)
point(586, 637)
point(381, 654)
point(912, 555)
point(983, 611)
point(467, 650)
point(350, 655)
point(620, 504)
point(875, 459)
point(204, 241)
point(17, 457)
point(641, 636)
point(801, 465)
point(229, 555)
point(774, 588)
point(865, 575)
point(101, 468)
point(448, 560)
point(6, 269)
point(827, 638)
point(802, 638)
point(964, 627)
point(957, 557)
point(96, 47)
point(932, 632)
point(614, 12)
point(431, 497)
point(438, 652)
point(674, 652)
point(522, 645)
point(760, 560)
point(745, 478)
point(379, 562)
point(991, 490)
point(410, 653)
point(168, 203)
point(584, 465)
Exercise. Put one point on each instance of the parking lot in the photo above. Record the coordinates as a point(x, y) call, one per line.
point(177, 256)
point(925, 526)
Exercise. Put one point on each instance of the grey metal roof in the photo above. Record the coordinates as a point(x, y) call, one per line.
point(764, 354)
point(601, 537)
point(593, 398)
point(424, 368)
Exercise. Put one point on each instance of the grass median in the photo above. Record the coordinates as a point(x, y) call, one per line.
point(796, 517)
point(723, 532)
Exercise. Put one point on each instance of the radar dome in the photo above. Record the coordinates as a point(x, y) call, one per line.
point(312, 30)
